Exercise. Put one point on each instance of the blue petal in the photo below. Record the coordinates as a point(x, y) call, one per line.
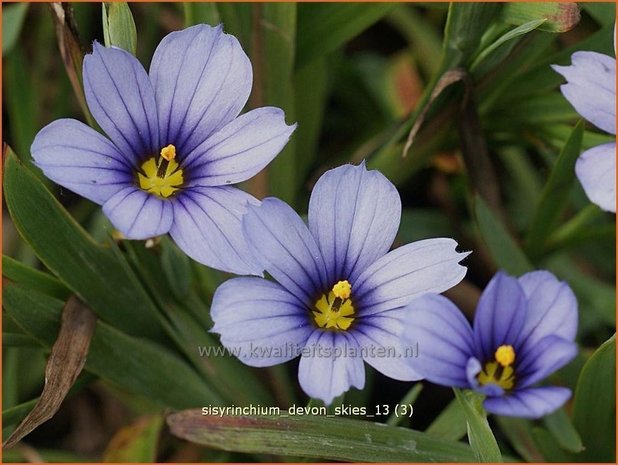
point(354, 215)
point(530, 403)
point(596, 171)
point(591, 88)
point(552, 308)
point(384, 347)
point(500, 315)
point(285, 248)
point(202, 79)
point(539, 361)
point(121, 99)
point(327, 369)
point(80, 159)
point(444, 339)
point(240, 149)
point(207, 227)
point(139, 215)
point(408, 272)
point(259, 321)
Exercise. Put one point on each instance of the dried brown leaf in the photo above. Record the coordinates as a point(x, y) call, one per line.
point(65, 363)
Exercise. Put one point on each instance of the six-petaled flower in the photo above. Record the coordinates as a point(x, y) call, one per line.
point(523, 331)
point(176, 144)
point(337, 288)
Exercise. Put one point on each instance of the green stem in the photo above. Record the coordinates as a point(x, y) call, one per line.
point(574, 227)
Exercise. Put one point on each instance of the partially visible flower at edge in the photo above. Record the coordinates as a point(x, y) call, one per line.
point(176, 144)
point(591, 89)
point(524, 330)
point(337, 287)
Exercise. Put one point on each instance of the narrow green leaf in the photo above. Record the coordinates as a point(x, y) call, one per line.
point(236, 18)
point(201, 13)
point(90, 270)
point(119, 26)
point(34, 279)
point(337, 439)
point(272, 51)
point(603, 13)
point(594, 411)
point(502, 247)
point(519, 433)
point(561, 428)
point(499, 49)
point(549, 447)
point(396, 418)
point(12, 21)
point(135, 364)
point(450, 423)
point(324, 27)
point(556, 190)
point(177, 268)
point(480, 436)
point(559, 17)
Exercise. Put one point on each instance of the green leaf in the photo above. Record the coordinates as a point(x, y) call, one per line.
point(34, 279)
point(519, 433)
point(502, 247)
point(594, 410)
point(556, 190)
point(324, 27)
point(90, 270)
point(337, 439)
point(395, 419)
point(177, 268)
point(559, 17)
point(548, 445)
point(603, 13)
point(561, 428)
point(272, 52)
point(12, 21)
point(135, 364)
point(119, 26)
point(450, 423)
point(499, 49)
point(201, 13)
point(480, 436)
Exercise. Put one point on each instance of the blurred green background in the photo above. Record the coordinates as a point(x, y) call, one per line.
point(490, 165)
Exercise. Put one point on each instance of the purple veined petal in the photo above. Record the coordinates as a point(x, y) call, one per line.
point(408, 272)
point(596, 171)
point(539, 361)
point(444, 339)
point(286, 249)
point(384, 348)
point(202, 79)
point(552, 308)
point(328, 367)
point(530, 403)
point(139, 215)
point(240, 149)
point(121, 99)
point(259, 321)
point(354, 215)
point(591, 88)
point(207, 227)
point(79, 158)
point(473, 368)
point(500, 315)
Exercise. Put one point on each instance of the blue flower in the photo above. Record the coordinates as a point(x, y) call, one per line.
point(591, 89)
point(523, 331)
point(339, 294)
point(176, 144)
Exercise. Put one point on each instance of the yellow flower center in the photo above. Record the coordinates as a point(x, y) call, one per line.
point(335, 310)
point(500, 371)
point(161, 177)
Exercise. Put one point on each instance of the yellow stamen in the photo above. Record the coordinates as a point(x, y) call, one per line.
point(505, 355)
point(342, 290)
point(169, 152)
point(335, 310)
point(161, 179)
